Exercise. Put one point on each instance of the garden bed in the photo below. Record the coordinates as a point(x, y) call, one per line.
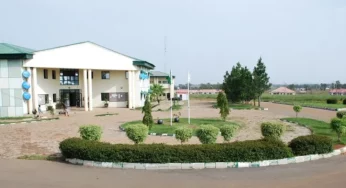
point(165, 128)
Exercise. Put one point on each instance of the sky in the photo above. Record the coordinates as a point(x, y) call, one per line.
point(300, 41)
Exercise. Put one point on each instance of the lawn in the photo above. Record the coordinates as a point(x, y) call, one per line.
point(26, 120)
point(15, 118)
point(314, 100)
point(318, 127)
point(195, 123)
point(239, 106)
point(107, 114)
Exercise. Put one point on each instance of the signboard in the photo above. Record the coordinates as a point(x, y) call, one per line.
point(118, 97)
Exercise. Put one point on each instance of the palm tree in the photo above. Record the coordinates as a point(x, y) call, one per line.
point(156, 91)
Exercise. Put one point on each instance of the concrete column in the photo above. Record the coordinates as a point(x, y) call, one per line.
point(134, 89)
point(85, 89)
point(34, 89)
point(90, 90)
point(29, 102)
point(129, 79)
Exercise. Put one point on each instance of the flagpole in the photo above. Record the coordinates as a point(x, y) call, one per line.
point(170, 88)
point(188, 95)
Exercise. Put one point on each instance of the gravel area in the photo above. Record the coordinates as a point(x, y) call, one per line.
point(44, 137)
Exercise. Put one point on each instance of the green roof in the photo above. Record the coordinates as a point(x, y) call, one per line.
point(10, 51)
point(159, 74)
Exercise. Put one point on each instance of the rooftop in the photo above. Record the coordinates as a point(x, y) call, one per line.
point(159, 74)
point(10, 51)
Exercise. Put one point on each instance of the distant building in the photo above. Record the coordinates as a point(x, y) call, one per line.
point(282, 91)
point(182, 93)
point(337, 92)
point(158, 77)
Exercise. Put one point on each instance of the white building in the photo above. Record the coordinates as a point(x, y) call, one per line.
point(82, 75)
point(157, 77)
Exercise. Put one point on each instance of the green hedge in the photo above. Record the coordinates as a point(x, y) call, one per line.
point(246, 151)
point(311, 144)
point(332, 101)
point(270, 129)
point(344, 101)
point(341, 114)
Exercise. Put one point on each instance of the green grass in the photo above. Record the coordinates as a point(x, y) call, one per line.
point(240, 106)
point(28, 121)
point(315, 100)
point(203, 96)
point(108, 114)
point(41, 157)
point(318, 127)
point(15, 118)
point(195, 123)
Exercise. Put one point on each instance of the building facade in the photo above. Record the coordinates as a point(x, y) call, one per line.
point(84, 75)
point(157, 77)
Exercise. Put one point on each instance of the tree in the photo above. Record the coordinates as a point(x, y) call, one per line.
point(291, 87)
point(297, 109)
point(222, 103)
point(323, 86)
point(147, 118)
point(338, 126)
point(157, 90)
point(260, 80)
point(338, 84)
point(232, 84)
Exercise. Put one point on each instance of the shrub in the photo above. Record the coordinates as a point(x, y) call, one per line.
point(147, 118)
point(297, 109)
point(137, 133)
point(183, 134)
point(252, 150)
point(341, 114)
point(90, 132)
point(332, 101)
point(344, 101)
point(50, 109)
point(222, 103)
point(338, 126)
point(228, 131)
point(274, 130)
point(311, 144)
point(207, 134)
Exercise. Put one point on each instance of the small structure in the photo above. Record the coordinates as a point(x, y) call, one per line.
point(337, 92)
point(182, 94)
point(282, 91)
point(158, 77)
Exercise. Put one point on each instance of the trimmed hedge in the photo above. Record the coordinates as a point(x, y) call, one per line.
point(344, 101)
point(311, 144)
point(207, 134)
point(274, 130)
point(183, 134)
point(341, 114)
point(246, 151)
point(332, 101)
point(90, 132)
point(137, 132)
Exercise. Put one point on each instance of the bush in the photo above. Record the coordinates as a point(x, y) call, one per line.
point(311, 144)
point(332, 101)
point(274, 130)
point(344, 101)
point(297, 109)
point(338, 126)
point(222, 103)
point(90, 132)
point(228, 131)
point(207, 134)
point(50, 109)
point(183, 134)
point(341, 114)
point(137, 133)
point(252, 150)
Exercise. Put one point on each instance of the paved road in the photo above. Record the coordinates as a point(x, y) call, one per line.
point(43, 174)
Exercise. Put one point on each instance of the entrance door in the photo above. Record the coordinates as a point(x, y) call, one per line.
point(71, 97)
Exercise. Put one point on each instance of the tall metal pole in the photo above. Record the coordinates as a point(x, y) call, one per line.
point(170, 88)
point(188, 95)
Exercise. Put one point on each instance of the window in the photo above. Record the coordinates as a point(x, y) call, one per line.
point(105, 75)
point(53, 74)
point(43, 99)
point(164, 94)
point(126, 74)
point(45, 73)
point(104, 96)
point(69, 77)
point(159, 82)
point(164, 82)
point(54, 97)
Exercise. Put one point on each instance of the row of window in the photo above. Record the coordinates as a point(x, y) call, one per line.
point(160, 82)
point(44, 99)
point(71, 76)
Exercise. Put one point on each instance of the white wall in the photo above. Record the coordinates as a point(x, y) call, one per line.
point(81, 56)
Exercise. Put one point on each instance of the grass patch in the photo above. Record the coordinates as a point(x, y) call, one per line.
point(195, 123)
point(15, 118)
point(240, 106)
point(107, 114)
point(318, 127)
point(41, 157)
point(28, 121)
point(175, 107)
point(203, 96)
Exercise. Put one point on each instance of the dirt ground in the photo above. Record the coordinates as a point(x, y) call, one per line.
point(44, 137)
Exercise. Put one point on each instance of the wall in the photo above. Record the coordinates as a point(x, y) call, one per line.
point(163, 81)
point(11, 100)
point(116, 83)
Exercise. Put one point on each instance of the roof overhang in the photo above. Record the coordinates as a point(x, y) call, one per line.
point(143, 64)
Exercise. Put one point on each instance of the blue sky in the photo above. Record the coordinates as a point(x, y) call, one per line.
point(299, 41)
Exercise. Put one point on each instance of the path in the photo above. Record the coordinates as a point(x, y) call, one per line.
point(318, 174)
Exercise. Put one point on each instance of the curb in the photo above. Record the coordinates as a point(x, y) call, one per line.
point(34, 121)
point(214, 165)
point(152, 134)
